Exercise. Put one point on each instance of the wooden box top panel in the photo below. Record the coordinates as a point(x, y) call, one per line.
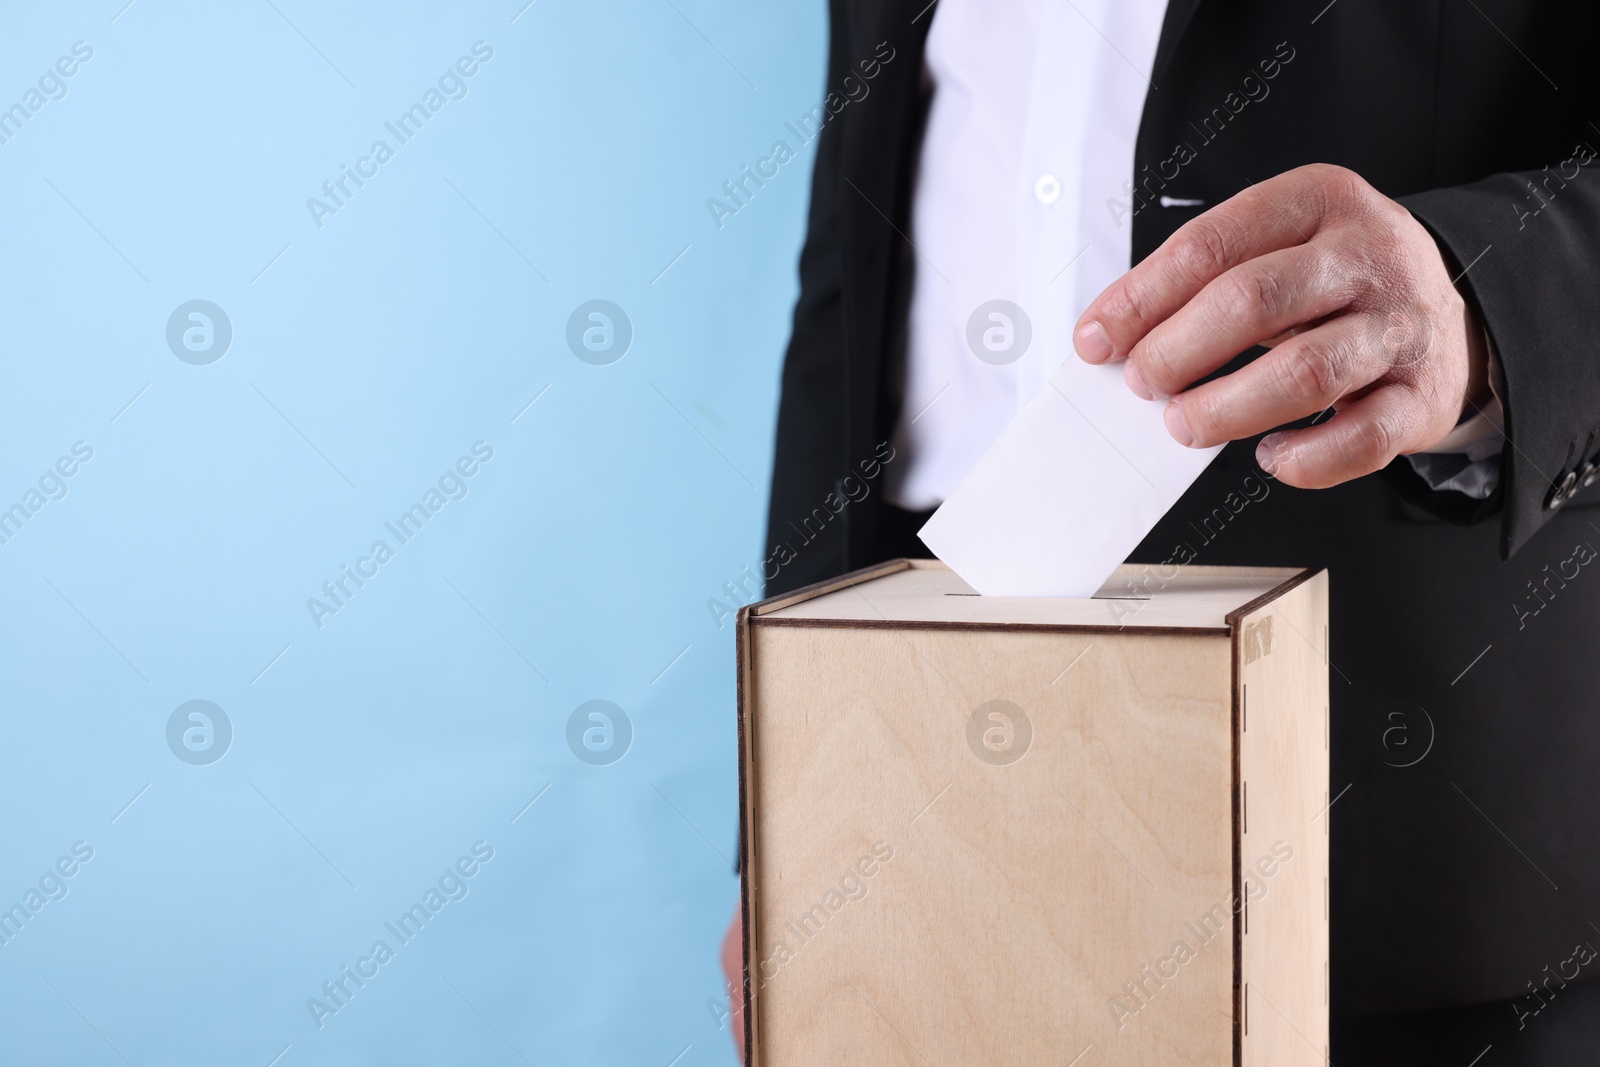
point(926, 593)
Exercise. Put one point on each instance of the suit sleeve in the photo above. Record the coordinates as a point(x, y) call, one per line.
point(812, 407)
point(1529, 246)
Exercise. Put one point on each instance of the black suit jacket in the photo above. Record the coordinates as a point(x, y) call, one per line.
point(1458, 878)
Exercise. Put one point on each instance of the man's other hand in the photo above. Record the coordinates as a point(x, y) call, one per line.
point(1349, 291)
point(733, 971)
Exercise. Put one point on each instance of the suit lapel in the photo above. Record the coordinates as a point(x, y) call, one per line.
point(1179, 14)
point(877, 159)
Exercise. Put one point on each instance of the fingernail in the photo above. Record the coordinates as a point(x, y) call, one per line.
point(1267, 453)
point(1093, 345)
point(1177, 425)
point(1135, 380)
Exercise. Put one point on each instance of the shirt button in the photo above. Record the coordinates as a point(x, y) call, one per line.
point(1047, 189)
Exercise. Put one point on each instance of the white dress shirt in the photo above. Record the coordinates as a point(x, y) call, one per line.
point(1021, 197)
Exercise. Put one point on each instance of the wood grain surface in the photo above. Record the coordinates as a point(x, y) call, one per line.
point(988, 845)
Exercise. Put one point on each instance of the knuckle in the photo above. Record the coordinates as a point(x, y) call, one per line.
point(1254, 294)
point(1400, 230)
point(1154, 367)
point(1345, 275)
point(1162, 366)
point(1401, 342)
point(1124, 310)
point(1391, 255)
point(1322, 171)
point(1309, 373)
point(1371, 444)
point(1343, 186)
point(1368, 286)
point(1132, 305)
point(1204, 250)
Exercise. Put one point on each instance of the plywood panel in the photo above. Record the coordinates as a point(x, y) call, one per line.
point(1136, 598)
point(1284, 774)
point(918, 900)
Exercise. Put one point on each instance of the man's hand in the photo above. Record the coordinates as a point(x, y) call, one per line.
point(1350, 292)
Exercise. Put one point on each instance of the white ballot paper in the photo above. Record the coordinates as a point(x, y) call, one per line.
point(1067, 492)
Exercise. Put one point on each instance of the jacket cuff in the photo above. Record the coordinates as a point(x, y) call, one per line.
point(1529, 276)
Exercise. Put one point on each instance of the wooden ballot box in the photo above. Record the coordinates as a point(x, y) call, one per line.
point(995, 830)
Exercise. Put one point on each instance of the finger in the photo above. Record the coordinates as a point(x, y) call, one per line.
point(1275, 341)
point(733, 970)
point(1280, 212)
point(1300, 377)
point(1250, 303)
point(1363, 438)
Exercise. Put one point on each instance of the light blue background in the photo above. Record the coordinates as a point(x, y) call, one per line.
point(376, 350)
